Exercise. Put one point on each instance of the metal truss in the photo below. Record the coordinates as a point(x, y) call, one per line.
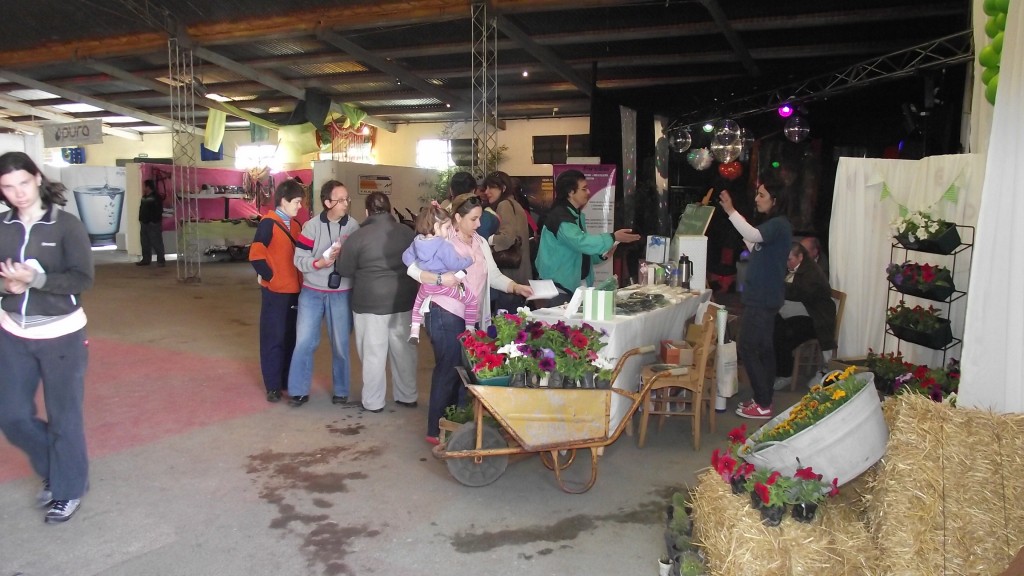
point(485, 89)
point(183, 171)
point(940, 53)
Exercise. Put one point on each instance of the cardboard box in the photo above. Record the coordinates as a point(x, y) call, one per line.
point(676, 352)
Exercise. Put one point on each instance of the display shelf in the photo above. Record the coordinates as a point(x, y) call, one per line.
point(959, 256)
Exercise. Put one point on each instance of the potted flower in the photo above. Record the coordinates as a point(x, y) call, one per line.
point(821, 401)
point(733, 470)
point(924, 280)
point(939, 384)
point(887, 367)
point(574, 351)
point(919, 231)
point(768, 490)
point(807, 491)
point(919, 325)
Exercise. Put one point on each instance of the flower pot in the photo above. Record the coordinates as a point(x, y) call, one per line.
point(937, 293)
point(804, 511)
point(936, 339)
point(755, 501)
point(944, 243)
point(738, 484)
point(502, 380)
point(772, 515)
point(843, 444)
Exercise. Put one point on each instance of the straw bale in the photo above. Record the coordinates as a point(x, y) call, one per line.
point(938, 501)
point(737, 543)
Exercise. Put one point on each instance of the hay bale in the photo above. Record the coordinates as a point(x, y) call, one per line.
point(737, 543)
point(938, 503)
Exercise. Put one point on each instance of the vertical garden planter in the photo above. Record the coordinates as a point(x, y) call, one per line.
point(938, 293)
point(937, 339)
point(944, 243)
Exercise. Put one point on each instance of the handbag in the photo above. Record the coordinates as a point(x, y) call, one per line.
point(510, 257)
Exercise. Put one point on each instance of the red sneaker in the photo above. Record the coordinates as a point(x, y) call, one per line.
point(755, 412)
point(433, 440)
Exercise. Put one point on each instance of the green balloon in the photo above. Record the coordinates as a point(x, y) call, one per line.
point(1001, 20)
point(991, 27)
point(989, 6)
point(988, 57)
point(1002, 6)
point(990, 89)
point(987, 74)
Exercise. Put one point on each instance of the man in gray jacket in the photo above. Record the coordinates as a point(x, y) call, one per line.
point(324, 294)
point(382, 297)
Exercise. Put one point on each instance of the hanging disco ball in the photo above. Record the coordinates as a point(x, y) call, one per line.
point(727, 132)
point(726, 152)
point(699, 158)
point(797, 129)
point(679, 140)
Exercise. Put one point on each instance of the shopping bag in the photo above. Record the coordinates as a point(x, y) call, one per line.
point(727, 370)
point(598, 304)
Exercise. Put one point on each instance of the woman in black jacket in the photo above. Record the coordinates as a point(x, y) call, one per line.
point(45, 263)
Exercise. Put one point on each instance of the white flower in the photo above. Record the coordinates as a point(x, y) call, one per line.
point(603, 363)
point(511, 350)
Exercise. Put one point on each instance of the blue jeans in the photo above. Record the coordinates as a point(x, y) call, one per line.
point(56, 446)
point(757, 351)
point(315, 305)
point(446, 388)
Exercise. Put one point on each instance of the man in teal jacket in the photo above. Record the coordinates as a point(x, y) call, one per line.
point(566, 248)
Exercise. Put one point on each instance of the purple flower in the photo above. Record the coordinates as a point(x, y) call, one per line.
point(492, 331)
point(521, 337)
point(546, 364)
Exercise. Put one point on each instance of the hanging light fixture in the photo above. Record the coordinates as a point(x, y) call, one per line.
point(797, 129)
point(679, 140)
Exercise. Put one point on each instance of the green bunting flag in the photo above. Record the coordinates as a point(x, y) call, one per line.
point(952, 193)
point(885, 191)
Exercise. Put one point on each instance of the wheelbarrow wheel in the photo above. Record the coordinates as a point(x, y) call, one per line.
point(467, 470)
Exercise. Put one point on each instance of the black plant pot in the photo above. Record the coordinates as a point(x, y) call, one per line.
point(739, 484)
point(936, 339)
point(804, 512)
point(755, 501)
point(772, 515)
point(938, 293)
point(944, 243)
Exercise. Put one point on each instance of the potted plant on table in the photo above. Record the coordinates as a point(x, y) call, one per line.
point(920, 231)
point(919, 325)
point(924, 280)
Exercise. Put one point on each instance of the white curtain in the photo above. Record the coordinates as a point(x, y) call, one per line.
point(994, 332)
point(868, 196)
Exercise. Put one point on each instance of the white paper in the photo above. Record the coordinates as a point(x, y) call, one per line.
point(543, 290)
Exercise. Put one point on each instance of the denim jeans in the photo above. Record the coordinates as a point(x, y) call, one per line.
point(446, 388)
point(757, 351)
point(314, 306)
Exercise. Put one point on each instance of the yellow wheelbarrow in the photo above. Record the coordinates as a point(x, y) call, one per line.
point(551, 422)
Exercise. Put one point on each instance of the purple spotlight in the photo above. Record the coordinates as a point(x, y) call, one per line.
point(785, 110)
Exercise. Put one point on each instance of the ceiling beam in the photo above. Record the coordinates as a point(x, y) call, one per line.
point(21, 127)
point(543, 54)
point(23, 108)
point(396, 70)
point(725, 27)
point(85, 99)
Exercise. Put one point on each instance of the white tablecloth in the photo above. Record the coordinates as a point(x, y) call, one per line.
point(628, 332)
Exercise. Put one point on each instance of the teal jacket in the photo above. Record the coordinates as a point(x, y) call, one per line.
point(560, 256)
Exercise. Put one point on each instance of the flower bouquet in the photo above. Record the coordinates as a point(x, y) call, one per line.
point(919, 231)
point(919, 325)
point(923, 280)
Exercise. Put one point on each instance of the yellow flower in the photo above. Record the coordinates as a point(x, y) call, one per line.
point(838, 394)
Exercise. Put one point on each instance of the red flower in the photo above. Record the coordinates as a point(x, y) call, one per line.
point(738, 435)
point(806, 474)
point(771, 479)
point(579, 340)
point(835, 487)
point(763, 492)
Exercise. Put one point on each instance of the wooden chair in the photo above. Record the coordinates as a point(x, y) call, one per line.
point(683, 391)
point(809, 353)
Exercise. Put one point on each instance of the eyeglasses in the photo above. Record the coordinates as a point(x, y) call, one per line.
point(467, 198)
point(332, 202)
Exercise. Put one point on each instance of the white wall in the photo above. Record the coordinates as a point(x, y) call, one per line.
point(399, 148)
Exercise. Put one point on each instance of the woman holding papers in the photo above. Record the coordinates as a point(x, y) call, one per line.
point(444, 319)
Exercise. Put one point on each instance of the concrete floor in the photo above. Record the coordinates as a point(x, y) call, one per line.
point(192, 472)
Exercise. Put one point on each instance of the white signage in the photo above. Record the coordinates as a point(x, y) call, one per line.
point(371, 184)
point(73, 134)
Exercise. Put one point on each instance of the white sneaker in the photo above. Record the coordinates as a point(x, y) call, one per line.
point(44, 498)
point(782, 382)
point(62, 510)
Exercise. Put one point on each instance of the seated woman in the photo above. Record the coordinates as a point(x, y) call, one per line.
point(809, 312)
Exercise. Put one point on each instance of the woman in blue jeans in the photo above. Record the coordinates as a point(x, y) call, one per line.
point(764, 291)
point(444, 319)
